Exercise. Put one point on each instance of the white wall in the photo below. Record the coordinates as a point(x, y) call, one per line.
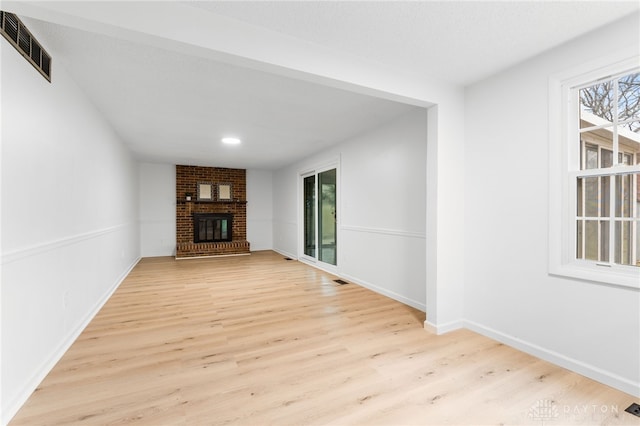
point(69, 220)
point(260, 209)
point(590, 328)
point(285, 211)
point(381, 212)
point(157, 209)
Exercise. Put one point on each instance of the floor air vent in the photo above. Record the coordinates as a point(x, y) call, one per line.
point(341, 282)
point(19, 37)
point(288, 258)
point(634, 409)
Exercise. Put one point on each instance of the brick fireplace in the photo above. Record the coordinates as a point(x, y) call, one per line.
point(215, 192)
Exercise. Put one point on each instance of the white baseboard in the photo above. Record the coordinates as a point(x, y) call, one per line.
point(587, 370)
point(393, 295)
point(38, 376)
point(285, 254)
point(443, 328)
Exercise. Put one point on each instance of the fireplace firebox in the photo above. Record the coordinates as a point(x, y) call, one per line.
point(212, 227)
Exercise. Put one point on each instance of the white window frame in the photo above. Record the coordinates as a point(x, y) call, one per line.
point(564, 154)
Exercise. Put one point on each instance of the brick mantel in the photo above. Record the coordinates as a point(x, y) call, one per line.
point(187, 179)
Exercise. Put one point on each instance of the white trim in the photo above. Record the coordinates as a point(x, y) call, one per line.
point(286, 254)
point(443, 328)
point(384, 231)
point(610, 171)
point(327, 164)
point(601, 273)
point(41, 248)
point(587, 370)
point(381, 290)
point(39, 374)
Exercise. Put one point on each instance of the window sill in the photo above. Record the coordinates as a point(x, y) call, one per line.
point(615, 275)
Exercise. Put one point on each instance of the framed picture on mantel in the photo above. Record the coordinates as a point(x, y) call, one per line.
point(224, 192)
point(205, 191)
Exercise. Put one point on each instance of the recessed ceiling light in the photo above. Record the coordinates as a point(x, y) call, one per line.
point(231, 141)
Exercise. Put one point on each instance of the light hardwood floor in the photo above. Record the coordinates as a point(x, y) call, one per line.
point(259, 340)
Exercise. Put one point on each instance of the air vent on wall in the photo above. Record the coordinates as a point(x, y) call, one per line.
point(19, 36)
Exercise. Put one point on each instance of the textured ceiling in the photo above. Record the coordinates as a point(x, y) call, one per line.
point(174, 107)
point(458, 41)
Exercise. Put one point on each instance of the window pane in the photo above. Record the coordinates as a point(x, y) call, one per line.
point(605, 195)
point(591, 240)
point(310, 216)
point(591, 196)
point(629, 97)
point(580, 224)
point(627, 232)
point(635, 233)
point(624, 242)
point(327, 224)
point(634, 195)
point(604, 240)
point(626, 197)
point(596, 104)
point(579, 196)
point(636, 243)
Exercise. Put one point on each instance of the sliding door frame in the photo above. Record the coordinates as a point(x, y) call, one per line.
point(315, 171)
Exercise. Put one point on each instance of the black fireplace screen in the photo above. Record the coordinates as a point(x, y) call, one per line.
point(212, 227)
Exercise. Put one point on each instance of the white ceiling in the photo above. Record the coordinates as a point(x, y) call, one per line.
point(175, 108)
point(172, 107)
point(457, 41)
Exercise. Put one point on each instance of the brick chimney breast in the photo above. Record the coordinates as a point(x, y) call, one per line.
point(187, 180)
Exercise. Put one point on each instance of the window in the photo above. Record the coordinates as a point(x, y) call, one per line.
point(607, 208)
point(595, 175)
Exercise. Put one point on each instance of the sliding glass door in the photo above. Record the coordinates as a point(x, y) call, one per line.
point(327, 228)
point(320, 216)
point(309, 188)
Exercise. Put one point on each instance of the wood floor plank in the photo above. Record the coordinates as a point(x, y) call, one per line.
point(257, 340)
